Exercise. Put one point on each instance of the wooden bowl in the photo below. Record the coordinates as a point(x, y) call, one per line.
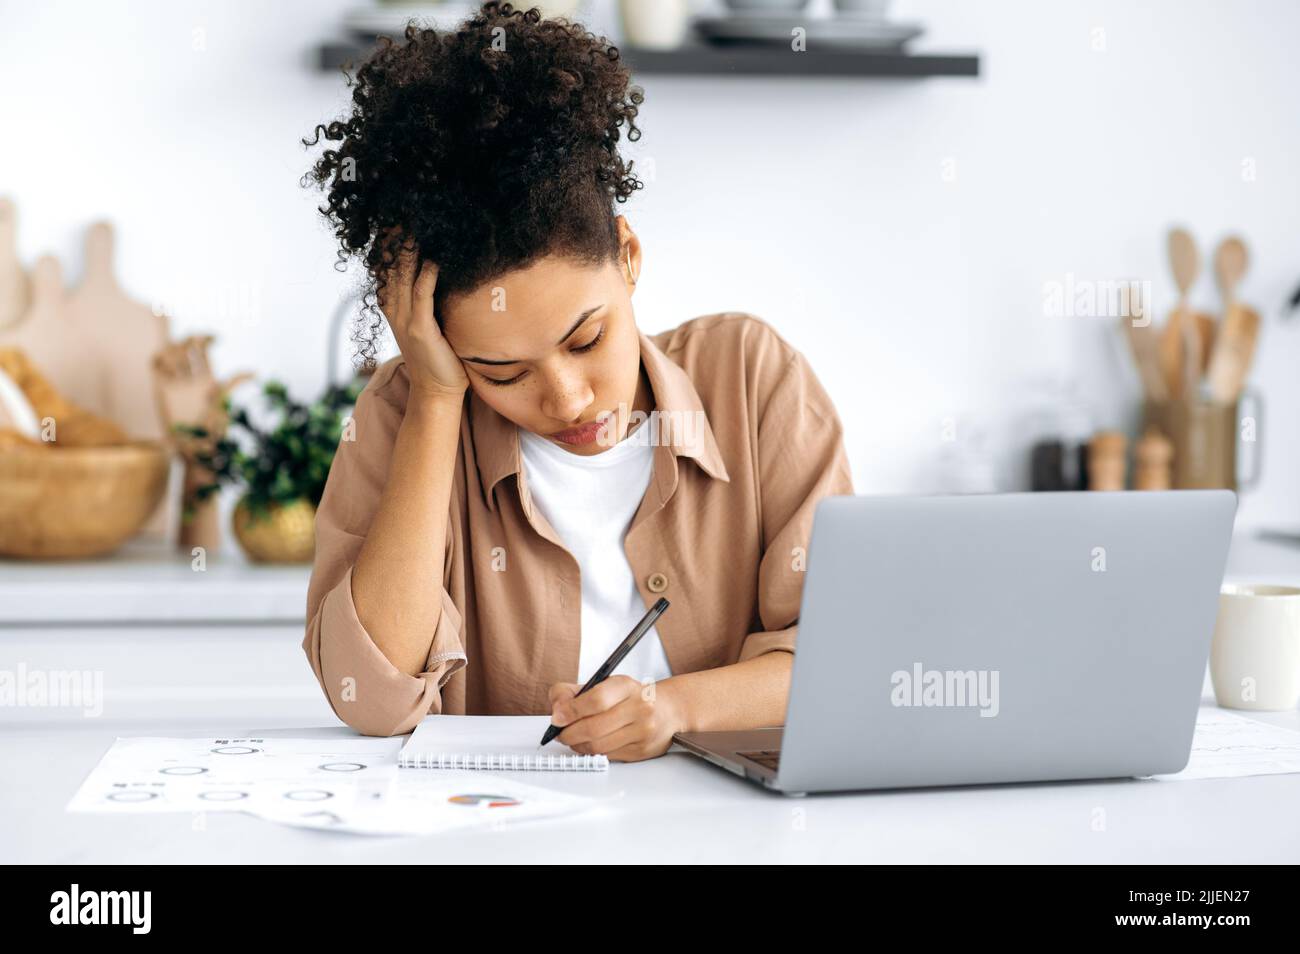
point(78, 501)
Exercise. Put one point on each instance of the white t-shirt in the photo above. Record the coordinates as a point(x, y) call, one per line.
point(590, 501)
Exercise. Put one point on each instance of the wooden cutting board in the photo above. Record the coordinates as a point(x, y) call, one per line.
point(127, 334)
point(96, 345)
point(15, 293)
point(57, 348)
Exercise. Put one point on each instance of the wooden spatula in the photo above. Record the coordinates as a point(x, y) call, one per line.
point(1234, 351)
point(1145, 345)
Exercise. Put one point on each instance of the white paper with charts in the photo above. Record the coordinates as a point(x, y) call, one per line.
point(337, 784)
point(1226, 745)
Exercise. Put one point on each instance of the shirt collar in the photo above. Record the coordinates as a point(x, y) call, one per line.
point(680, 418)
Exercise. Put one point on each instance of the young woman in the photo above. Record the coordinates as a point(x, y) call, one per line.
point(533, 471)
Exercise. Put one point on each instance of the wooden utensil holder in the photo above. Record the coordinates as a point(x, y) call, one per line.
point(1206, 435)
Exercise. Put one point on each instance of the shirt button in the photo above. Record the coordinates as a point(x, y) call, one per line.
point(656, 582)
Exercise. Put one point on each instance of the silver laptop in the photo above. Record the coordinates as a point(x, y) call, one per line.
point(999, 638)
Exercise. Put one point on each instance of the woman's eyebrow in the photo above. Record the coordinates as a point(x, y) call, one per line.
point(574, 327)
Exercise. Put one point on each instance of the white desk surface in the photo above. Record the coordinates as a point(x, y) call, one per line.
point(678, 808)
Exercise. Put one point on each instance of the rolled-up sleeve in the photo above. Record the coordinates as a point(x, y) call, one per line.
point(801, 460)
point(365, 690)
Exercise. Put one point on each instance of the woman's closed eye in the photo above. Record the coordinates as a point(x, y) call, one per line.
point(592, 343)
point(582, 349)
point(517, 377)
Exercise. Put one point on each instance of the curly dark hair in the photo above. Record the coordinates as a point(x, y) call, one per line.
point(488, 148)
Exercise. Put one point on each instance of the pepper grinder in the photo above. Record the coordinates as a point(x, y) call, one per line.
point(1106, 463)
point(1153, 461)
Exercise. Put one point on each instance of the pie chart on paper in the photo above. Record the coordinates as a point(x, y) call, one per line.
point(488, 801)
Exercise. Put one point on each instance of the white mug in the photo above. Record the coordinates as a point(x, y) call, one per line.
point(660, 25)
point(1255, 656)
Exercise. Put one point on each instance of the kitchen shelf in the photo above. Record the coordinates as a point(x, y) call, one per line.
point(698, 59)
point(151, 583)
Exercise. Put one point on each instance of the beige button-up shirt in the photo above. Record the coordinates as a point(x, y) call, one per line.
point(747, 443)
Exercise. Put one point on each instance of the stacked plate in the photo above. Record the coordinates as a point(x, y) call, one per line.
point(857, 24)
point(391, 19)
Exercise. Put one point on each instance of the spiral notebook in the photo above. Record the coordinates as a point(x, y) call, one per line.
point(491, 743)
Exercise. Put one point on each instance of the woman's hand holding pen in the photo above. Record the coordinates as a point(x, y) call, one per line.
point(621, 718)
point(407, 302)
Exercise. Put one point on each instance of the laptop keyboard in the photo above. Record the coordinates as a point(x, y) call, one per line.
point(768, 758)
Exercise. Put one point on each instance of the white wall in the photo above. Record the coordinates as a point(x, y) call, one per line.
point(820, 205)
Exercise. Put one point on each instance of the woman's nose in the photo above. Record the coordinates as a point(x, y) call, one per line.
point(566, 399)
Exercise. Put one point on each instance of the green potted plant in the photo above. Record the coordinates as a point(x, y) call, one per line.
point(283, 470)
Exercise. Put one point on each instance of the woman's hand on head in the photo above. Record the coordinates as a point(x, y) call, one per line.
point(407, 304)
point(621, 718)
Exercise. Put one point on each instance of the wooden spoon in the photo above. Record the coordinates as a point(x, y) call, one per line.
point(1180, 358)
point(1206, 328)
point(1230, 261)
point(1234, 348)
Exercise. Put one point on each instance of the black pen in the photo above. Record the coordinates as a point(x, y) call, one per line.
point(616, 657)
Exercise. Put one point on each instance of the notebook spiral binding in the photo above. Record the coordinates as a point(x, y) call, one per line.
point(508, 763)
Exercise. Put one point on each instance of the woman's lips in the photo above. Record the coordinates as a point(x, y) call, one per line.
point(582, 434)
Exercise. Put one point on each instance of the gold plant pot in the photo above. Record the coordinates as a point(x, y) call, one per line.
point(285, 534)
point(62, 502)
